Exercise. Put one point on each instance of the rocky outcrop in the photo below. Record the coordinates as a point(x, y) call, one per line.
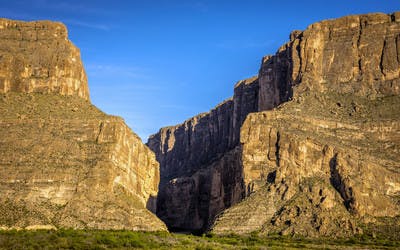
point(63, 162)
point(352, 54)
point(194, 160)
point(325, 163)
point(38, 57)
point(322, 159)
point(319, 173)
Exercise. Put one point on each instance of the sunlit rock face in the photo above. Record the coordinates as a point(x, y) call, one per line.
point(326, 162)
point(354, 54)
point(38, 57)
point(320, 158)
point(63, 162)
point(316, 169)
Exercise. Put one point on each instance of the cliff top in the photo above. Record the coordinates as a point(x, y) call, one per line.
point(45, 29)
point(246, 81)
point(354, 20)
point(194, 119)
point(38, 57)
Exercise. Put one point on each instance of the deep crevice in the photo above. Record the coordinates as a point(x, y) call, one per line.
point(382, 57)
point(271, 177)
point(397, 41)
point(358, 49)
point(277, 148)
point(337, 182)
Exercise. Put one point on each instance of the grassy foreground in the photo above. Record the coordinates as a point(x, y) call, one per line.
point(102, 239)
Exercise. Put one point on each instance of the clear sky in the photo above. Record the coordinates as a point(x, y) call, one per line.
point(159, 62)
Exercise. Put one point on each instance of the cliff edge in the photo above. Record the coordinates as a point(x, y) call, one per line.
point(63, 162)
point(38, 57)
point(319, 158)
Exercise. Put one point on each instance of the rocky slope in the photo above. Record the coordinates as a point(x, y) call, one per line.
point(63, 162)
point(325, 162)
point(316, 168)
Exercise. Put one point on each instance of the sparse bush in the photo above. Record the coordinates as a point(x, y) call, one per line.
point(106, 239)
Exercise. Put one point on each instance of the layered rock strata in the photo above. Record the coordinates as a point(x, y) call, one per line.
point(319, 173)
point(199, 157)
point(327, 162)
point(38, 57)
point(352, 54)
point(324, 160)
point(63, 162)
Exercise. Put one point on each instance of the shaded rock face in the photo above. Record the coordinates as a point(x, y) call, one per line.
point(323, 161)
point(63, 162)
point(191, 203)
point(38, 57)
point(194, 162)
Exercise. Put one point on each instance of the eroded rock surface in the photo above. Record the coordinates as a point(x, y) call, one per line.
point(319, 169)
point(38, 57)
point(199, 157)
point(324, 160)
point(63, 162)
point(353, 54)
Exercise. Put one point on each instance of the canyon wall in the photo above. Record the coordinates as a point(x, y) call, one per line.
point(63, 162)
point(200, 156)
point(316, 169)
point(326, 163)
point(353, 54)
point(322, 161)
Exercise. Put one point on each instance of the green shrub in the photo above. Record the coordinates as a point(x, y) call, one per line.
point(109, 239)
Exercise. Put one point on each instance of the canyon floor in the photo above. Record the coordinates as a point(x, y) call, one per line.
point(107, 239)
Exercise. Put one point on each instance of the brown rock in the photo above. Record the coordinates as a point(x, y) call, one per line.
point(63, 162)
point(319, 175)
point(353, 54)
point(38, 57)
point(190, 203)
point(323, 161)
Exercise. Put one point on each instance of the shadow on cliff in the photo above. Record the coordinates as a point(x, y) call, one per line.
point(152, 204)
point(201, 159)
point(200, 162)
point(191, 204)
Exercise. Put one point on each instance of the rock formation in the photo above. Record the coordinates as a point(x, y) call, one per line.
point(316, 168)
point(353, 54)
point(38, 57)
point(63, 162)
point(321, 158)
point(200, 162)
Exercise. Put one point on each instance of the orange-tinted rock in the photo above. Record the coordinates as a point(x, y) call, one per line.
point(38, 57)
point(352, 54)
point(63, 162)
point(318, 170)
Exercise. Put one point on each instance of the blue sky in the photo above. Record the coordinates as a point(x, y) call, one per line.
point(157, 63)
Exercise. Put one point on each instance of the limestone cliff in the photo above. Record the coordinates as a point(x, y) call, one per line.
point(38, 57)
point(316, 168)
point(353, 54)
point(199, 162)
point(326, 163)
point(63, 162)
point(324, 159)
